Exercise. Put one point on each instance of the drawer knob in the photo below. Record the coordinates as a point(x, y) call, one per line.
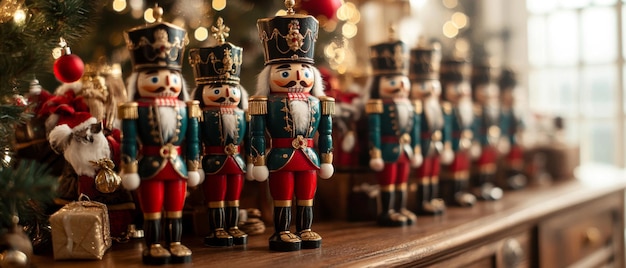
point(513, 253)
point(592, 236)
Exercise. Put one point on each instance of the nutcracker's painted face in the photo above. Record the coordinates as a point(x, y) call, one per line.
point(456, 91)
point(486, 93)
point(424, 89)
point(159, 83)
point(394, 86)
point(224, 95)
point(507, 97)
point(291, 77)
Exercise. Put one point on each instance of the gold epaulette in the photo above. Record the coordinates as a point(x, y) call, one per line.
point(417, 104)
point(128, 110)
point(194, 109)
point(257, 105)
point(328, 105)
point(478, 110)
point(374, 106)
point(447, 107)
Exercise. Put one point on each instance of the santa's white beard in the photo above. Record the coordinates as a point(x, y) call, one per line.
point(229, 125)
point(79, 154)
point(168, 121)
point(466, 111)
point(301, 115)
point(405, 112)
point(432, 108)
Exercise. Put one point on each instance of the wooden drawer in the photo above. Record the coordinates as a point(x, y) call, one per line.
point(586, 235)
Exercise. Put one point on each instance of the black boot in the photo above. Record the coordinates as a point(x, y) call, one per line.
point(388, 216)
point(154, 254)
point(304, 220)
point(462, 196)
point(435, 200)
point(424, 204)
point(400, 207)
point(282, 239)
point(515, 179)
point(449, 188)
point(218, 236)
point(232, 219)
point(174, 232)
point(488, 190)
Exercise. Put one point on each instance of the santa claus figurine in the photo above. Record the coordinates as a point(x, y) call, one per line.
point(291, 107)
point(393, 129)
point(166, 127)
point(222, 130)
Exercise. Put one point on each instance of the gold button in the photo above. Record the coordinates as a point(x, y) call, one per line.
point(494, 131)
point(285, 156)
point(155, 163)
point(217, 162)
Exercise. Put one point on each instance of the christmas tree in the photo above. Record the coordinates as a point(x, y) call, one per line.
point(30, 30)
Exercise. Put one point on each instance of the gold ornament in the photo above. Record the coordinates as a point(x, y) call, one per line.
point(107, 181)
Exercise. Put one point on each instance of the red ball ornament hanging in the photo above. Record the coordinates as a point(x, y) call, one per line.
point(68, 67)
point(326, 8)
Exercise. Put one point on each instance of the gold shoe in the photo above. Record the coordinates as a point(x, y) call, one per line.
point(310, 239)
point(410, 216)
point(285, 241)
point(156, 255)
point(180, 253)
point(239, 237)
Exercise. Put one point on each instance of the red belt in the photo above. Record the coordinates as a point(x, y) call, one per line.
point(228, 149)
point(404, 138)
point(168, 150)
point(297, 143)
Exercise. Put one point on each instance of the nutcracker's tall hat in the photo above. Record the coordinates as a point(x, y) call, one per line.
point(483, 72)
point(290, 38)
point(455, 70)
point(220, 64)
point(508, 79)
point(425, 62)
point(390, 58)
point(156, 45)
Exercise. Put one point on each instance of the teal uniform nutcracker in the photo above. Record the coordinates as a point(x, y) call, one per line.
point(223, 124)
point(435, 128)
point(511, 126)
point(456, 90)
point(290, 106)
point(160, 146)
point(393, 130)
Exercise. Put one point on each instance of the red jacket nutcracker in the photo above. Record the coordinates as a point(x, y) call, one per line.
point(165, 126)
point(435, 128)
point(291, 107)
point(456, 89)
point(486, 132)
point(393, 130)
point(222, 129)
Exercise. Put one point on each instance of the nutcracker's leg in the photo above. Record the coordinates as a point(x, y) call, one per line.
point(304, 220)
point(174, 232)
point(154, 254)
point(232, 218)
point(435, 198)
point(425, 206)
point(401, 195)
point(461, 195)
point(388, 216)
point(218, 236)
point(486, 187)
point(282, 239)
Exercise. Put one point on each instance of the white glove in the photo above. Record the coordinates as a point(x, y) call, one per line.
point(447, 156)
point(377, 164)
point(130, 181)
point(417, 160)
point(326, 170)
point(475, 150)
point(348, 142)
point(249, 170)
point(202, 175)
point(193, 178)
point(260, 173)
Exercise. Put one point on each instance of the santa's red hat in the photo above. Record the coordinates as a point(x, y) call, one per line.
point(69, 121)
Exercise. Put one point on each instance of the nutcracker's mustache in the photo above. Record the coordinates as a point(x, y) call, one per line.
point(222, 99)
point(293, 83)
point(161, 89)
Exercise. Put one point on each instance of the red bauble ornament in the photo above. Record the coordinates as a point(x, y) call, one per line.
point(326, 8)
point(69, 68)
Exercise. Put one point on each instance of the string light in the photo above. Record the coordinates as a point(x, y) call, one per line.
point(219, 4)
point(201, 33)
point(119, 5)
point(19, 16)
point(147, 16)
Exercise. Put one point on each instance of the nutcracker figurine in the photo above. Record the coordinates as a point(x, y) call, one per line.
point(291, 107)
point(393, 129)
point(165, 126)
point(486, 132)
point(455, 81)
point(435, 128)
point(511, 127)
point(222, 129)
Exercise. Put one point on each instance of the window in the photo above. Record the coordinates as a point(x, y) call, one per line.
point(576, 70)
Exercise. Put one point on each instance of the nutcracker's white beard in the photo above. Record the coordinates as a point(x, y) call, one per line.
point(432, 108)
point(301, 115)
point(405, 113)
point(168, 122)
point(466, 111)
point(79, 154)
point(492, 111)
point(229, 125)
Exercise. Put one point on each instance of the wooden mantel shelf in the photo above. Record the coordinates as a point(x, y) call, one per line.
point(433, 240)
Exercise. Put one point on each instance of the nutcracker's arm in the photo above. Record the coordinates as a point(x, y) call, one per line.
point(258, 111)
point(128, 113)
point(373, 109)
point(192, 139)
point(417, 128)
point(325, 141)
point(477, 124)
point(447, 124)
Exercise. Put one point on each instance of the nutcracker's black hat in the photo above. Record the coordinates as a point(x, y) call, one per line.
point(217, 64)
point(483, 72)
point(455, 70)
point(288, 38)
point(390, 58)
point(156, 45)
point(425, 62)
point(508, 79)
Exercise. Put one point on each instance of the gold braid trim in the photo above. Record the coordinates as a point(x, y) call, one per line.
point(447, 107)
point(328, 105)
point(128, 111)
point(192, 165)
point(327, 158)
point(259, 160)
point(374, 107)
point(194, 109)
point(257, 105)
point(375, 153)
point(130, 167)
point(417, 104)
